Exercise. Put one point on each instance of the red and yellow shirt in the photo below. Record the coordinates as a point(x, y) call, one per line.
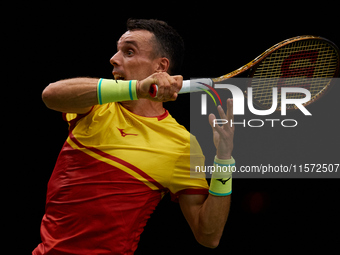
point(111, 173)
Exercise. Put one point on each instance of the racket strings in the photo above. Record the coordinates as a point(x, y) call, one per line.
point(307, 64)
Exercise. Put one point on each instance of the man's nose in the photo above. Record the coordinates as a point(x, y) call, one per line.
point(115, 60)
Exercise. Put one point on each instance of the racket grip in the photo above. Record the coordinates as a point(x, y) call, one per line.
point(187, 86)
point(153, 90)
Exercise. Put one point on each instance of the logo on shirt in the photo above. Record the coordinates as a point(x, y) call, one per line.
point(123, 133)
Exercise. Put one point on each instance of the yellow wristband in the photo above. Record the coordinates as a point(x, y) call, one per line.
point(221, 180)
point(116, 91)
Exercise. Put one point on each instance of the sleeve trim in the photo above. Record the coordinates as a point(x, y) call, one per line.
point(174, 197)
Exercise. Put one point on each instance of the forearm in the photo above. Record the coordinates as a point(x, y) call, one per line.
point(215, 209)
point(76, 95)
point(207, 216)
point(213, 216)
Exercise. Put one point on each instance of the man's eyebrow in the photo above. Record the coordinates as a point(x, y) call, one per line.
point(134, 43)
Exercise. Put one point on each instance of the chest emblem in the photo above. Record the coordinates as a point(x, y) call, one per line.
point(125, 134)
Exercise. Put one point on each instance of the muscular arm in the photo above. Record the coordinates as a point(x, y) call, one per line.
point(75, 95)
point(78, 95)
point(207, 216)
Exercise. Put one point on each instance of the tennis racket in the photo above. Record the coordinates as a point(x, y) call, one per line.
point(305, 61)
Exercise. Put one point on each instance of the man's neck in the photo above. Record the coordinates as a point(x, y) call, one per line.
point(144, 107)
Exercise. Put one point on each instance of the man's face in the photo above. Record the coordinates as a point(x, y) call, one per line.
point(136, 56)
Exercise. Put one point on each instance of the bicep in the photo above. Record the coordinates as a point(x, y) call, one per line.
point(191, 205)
point(75, 95)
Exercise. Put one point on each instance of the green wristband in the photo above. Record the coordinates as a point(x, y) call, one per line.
point(116, 91)
point(221, 179)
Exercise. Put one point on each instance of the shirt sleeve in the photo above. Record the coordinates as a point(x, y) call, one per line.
point(185, 179)
point(73, 118)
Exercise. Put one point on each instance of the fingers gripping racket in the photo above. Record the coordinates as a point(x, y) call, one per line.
point(287, 64)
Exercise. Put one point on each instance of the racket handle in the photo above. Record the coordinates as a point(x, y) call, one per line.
point(153, 90)
point(188, 86)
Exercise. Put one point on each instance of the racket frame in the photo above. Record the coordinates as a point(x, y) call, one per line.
point(248, 70)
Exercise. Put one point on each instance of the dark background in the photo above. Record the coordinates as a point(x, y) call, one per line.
point(49, 42)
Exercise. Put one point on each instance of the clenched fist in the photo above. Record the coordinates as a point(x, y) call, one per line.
point(168, 86)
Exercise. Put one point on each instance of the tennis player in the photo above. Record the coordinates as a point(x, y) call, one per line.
point(125, 151)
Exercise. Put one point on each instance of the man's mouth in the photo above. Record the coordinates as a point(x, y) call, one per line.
point(119, 77)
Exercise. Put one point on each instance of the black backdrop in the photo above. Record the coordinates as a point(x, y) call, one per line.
point(54, 41)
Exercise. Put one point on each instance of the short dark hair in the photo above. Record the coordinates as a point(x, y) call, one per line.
point(170, 43)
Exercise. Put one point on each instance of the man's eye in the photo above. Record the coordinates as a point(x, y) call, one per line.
point(129, 52)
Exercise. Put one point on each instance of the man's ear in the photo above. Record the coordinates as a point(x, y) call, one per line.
point(163, 65)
